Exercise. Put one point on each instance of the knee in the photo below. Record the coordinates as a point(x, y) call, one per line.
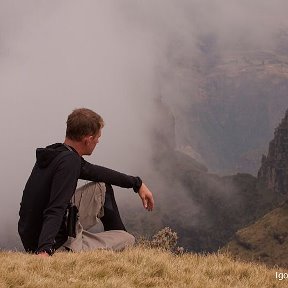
point(130, 240)
point(125, 240)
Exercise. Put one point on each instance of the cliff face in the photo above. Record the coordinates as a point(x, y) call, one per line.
point(266, 240)
point(274, 168)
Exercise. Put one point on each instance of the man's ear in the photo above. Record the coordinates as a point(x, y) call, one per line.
point(85, 140)
point(91, 138)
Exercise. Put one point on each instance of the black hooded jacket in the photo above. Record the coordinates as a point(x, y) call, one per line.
point(49, 190)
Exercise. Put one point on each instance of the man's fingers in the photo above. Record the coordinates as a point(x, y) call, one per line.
point(150, 204)
point(43, 254)
point(144, 203)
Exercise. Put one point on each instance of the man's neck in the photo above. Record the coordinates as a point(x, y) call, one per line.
point(77, 145)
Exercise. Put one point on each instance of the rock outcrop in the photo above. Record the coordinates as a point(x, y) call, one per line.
point(267, 239)
point(274, 168)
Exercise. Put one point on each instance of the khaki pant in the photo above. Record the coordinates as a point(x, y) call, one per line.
point(90, 200)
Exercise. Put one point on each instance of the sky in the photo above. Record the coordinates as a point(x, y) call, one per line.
point(112, 56)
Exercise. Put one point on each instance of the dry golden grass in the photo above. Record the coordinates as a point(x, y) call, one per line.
point(135, 267)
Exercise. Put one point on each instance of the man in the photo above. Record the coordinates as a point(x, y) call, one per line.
point(52, 183)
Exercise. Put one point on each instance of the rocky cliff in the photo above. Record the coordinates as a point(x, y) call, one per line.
point(274, 168)
point(266, 240)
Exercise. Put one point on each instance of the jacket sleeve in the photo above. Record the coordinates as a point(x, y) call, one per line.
point(97, 173)
point(62, 188)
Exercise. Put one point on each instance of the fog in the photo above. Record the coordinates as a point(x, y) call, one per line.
point(115, 57)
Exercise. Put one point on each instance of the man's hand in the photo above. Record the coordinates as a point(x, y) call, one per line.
point(147, 197)
point(43, 254)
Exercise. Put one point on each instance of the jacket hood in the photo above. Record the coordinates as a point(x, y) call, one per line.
point(44, 156)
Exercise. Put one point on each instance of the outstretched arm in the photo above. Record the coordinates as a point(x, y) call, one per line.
point(98, 173)
point(147, 197)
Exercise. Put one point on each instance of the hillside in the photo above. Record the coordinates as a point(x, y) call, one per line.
point(264, 241)
point(136, 267)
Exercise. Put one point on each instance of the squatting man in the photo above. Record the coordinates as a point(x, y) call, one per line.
point(51, 188)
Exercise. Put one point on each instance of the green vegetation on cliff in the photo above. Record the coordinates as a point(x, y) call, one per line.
point(265, 241)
